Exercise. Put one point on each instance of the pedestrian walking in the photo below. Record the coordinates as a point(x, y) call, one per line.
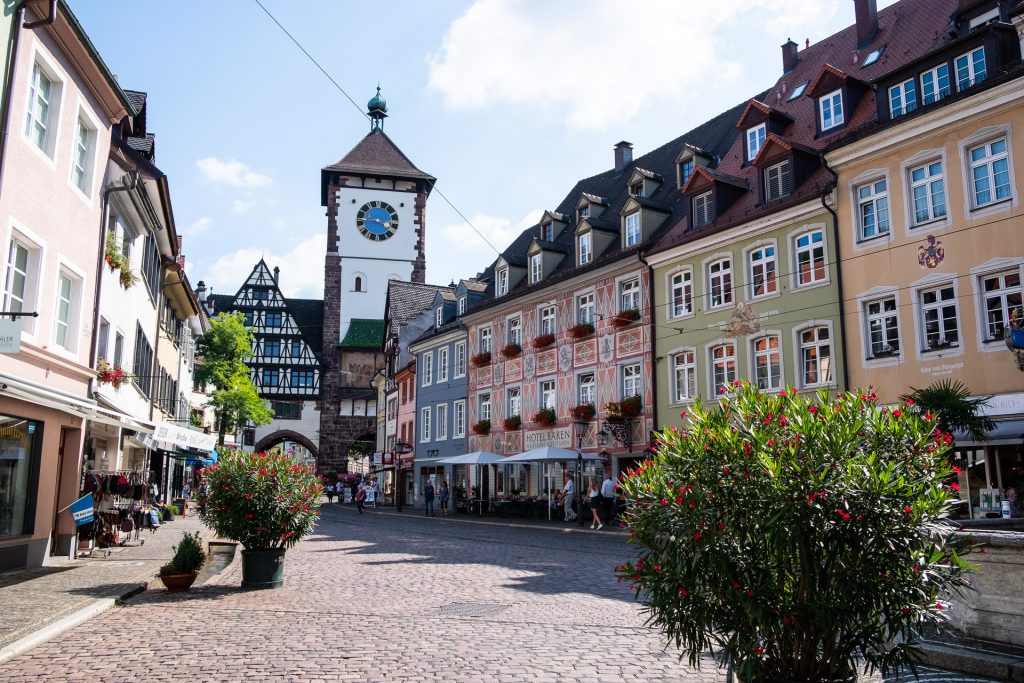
point(608, 498)
point(428, 499)
point(444, 495)
point(186, 491)
point(360, 498)
point(568, 498)
point(594, 498)
point(330, 493)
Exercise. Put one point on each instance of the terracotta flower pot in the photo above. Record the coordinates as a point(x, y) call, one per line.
point(175, 583)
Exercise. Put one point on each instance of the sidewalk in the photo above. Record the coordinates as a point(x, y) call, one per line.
point(41, 602)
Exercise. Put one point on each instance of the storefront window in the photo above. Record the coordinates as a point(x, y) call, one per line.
point(20, 440)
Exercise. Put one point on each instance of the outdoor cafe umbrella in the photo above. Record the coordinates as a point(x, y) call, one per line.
point(546, 454)
point(474, 458)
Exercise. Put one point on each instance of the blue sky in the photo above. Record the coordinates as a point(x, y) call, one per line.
point(506, 102)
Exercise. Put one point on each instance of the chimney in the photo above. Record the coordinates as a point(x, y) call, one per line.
point(623, 155)
point(277, 272)
point(789, 56)
point(867, 21)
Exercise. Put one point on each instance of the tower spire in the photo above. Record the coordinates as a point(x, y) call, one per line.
point(377, 109)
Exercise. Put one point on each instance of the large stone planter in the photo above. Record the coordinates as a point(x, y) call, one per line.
point(175, 583)
point(993, 609)
point(263, 568)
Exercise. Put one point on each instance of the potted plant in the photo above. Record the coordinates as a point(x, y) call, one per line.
point(583, 412)
point(127, 278)
point(513, 423)
point(512, 350)
point(482, 428)
point(581, 331)
point(627, 317)
point(626, 409)
point(542, 341)
point(545, 417)
point(180, 573)
point(797, 536)
point(113, 256)
point(264, 501)
point(110, 374)
point(481, 359)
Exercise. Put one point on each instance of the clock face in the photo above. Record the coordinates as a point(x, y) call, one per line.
point(377, 221)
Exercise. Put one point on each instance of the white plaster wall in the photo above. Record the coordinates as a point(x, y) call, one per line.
point(308, 425)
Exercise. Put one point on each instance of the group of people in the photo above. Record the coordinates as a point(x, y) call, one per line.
point(358, 491)
point(442, 493)
point(600, 499)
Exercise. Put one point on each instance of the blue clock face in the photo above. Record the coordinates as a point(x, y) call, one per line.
point(377, 221)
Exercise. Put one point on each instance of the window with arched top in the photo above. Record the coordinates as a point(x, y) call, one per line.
point(359, 282)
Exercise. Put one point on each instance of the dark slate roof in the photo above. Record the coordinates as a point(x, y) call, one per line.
point(474, 285)
point(309, 316)
point(552, 246)
point(376, 154)
point(137, 98)
point(364, 334)
point(716, 136)
point(908, 29)
point(145, 146)
point(221, 303)
point(407, 299)
point(432, 331)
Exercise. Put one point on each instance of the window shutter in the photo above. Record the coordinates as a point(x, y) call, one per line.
point(777, 181)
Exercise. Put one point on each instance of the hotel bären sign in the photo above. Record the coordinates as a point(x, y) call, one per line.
point(559, 437)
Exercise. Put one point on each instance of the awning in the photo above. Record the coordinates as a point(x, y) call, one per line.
point(175, 437)
point(1007, 433)
point(550, 454)
point(67, 403)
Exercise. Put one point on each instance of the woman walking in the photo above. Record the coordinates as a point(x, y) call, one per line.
point(594, 500)
point(444, 495)
point(330, 493)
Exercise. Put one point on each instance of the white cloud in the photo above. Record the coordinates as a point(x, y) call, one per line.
point(456, 247)
point(233, 173)
point(197, 227)
point(238, 206)
point(606, 61)
point(298, 277)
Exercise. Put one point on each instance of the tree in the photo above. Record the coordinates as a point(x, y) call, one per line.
point(222, 352)
point(954, 409)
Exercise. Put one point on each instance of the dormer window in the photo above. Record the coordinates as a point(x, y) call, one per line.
point(982, 19)
point(902, 98)
point(501, 284)
point(685, 171)
point(462, 305)
point(703, 210)
point(637, 189)
point(755, 139)
point(831, 109)
point(584, 212)
point(547, 232)
point(585, 248)
point(633, 229)
point(935, 84)
point(970, 69)
point(536, 268)
point(439, 316)
point(777, 181)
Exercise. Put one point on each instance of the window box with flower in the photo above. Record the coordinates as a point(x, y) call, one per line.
point(545, 417)
point(481, 359)
point(626, 409)
point(482, 428)
point(513, 423)
point(582, 330)
point(512, 350)
point(625, 318)
point(542, 341)
point(111, 374)
point(584, 412)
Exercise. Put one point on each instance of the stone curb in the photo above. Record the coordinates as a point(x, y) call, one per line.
point(513, 525)
point(972, 661)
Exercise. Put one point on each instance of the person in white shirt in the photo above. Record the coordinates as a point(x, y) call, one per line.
point(608, 495)
point(568, 496)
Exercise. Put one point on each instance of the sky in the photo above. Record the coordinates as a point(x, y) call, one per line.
point(506, 102)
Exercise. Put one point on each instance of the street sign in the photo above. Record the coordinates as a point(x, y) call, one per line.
point(10, 335)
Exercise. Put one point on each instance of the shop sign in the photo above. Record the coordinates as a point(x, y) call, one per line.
point(10, 335)
point(559, 437)
point(178, 437)
point(378, 459)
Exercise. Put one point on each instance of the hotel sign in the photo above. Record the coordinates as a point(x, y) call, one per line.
point(559, 437)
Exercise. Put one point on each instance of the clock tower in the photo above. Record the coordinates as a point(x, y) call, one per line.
point(376, 202)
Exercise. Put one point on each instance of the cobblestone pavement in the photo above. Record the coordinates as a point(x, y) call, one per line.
point(385, 598)
point(34, 598)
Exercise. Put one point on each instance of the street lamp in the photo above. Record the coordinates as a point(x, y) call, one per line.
point(581, 430)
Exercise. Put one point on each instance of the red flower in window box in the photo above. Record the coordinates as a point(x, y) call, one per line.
point(111, 374)
point(481, 359)
point(584, 412)
point(482, 428)
point(626, 409)
point(625, 318)
point(512, 351)
point(513, 423)
point(582, 330)
point(542, 341)
point(545, 417)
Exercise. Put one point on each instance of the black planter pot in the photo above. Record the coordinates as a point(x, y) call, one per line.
point(263, 568)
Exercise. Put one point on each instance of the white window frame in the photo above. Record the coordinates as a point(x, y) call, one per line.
point(582, 384)
point(42, 64)
point(755, 138)
point(514, 330)
point(74, 321)
point(781, 176)
point(631, 232)
point(629, 292)
point(514, 401)
point(462, 305)
point(817, 344)
point(688, 371)
point(725, 284)
point(703, 213)
point(868, 194)
point(631, 375)
point(935, 77)
point(713, 363)
point(459, 419)
point(687, 163)
point(832, 104)
point(966, 69)
point(460, 359)
point(989, 162)
point(83, 156)
point(441, 422)
point(439, 316)
point(485, 340)
point(425, 424)
point(536, 268)
point(35, 257)
point(427, 375)
point(586, 312)
point(756, 354)
point(985, 324)
point(928, 180)
point(882, 316)
point(681, 282)
point(585, 248)
point(442, 364)
point(917, 289)
point(501, 282)
point(941, 320)
point(547, 388)
point(547, 321)
point(811, 248)
point(906, 93)
point(547, 232)
point(484, 406)
point(757, 257)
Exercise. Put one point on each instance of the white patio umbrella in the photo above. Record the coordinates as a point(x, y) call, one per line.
point(546, 454)
point(475, 458)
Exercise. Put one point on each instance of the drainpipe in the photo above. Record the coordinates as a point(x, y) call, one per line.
point(16, 26)
point(654, 329)
point(839, 279)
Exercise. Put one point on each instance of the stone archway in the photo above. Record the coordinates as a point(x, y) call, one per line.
point(281, 435)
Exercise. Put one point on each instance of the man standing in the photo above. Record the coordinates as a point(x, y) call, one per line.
point(428, 498)
point(608, 497)
point(568, 497)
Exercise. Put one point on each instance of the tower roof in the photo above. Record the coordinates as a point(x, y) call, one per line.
point(375, 155)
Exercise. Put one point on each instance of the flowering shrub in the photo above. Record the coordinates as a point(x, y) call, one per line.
point(584, 411)
point(582, 330)
point(512, 350)
point(482, 428)
point(626, 409)
point(627, 317)
point(481, 359)
point(111, 374)
point(513, 423)
point(261, 500)
point(545, 417)
point(795, 534)
point(542, 341)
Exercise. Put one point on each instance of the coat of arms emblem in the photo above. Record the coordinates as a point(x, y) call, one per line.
point(931, 254)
